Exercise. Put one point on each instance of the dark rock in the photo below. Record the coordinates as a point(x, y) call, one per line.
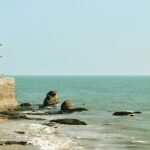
point(45, 113)
point(69, 121)
point(123, 113)
point(25, 105)
point(66, 105)
point(39, 113)
point(137, 112)
point(18, 116)
point(78, 109)
point(51, 99)
point(20, 132)
point(75, 110)
point(14, 143)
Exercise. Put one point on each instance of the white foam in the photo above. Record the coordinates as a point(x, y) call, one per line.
point(140, 141)
point(47, 138)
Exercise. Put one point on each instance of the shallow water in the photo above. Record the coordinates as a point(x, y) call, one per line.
point(102, 96)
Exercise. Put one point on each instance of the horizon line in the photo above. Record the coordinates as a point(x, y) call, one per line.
point(2, 75)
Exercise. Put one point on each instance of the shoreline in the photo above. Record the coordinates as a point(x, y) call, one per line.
point(9, 134)
point(16, 147)
point(38, 134)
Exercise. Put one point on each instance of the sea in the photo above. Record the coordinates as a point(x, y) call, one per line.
point(102, 96)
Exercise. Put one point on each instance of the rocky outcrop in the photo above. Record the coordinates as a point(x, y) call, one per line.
point(77, 110)
point(25, 105)
point(7, 94)
point(125, 113)
point(20, 132)
point(52, 98)
point(67, 106)
point(18, 116)
point(14, 143)
point(69, 121)
point(137, 112)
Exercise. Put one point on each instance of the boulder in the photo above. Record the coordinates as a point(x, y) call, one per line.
point(14, 143)
point(51, 99)
point(20, 132)
point(137, 112)
point(25, 105)
point(77, 110)
point(123, 113)
point(66, 105)
point(69, 121)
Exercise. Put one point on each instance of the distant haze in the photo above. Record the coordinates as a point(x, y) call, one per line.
point(75, 37)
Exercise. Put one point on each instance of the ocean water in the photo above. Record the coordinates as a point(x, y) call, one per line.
point(102, 96)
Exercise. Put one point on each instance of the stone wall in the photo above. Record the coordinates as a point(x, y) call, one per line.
point(7, 94)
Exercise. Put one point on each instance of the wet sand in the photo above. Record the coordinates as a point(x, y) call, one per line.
point(16, 147)
point(4, 136)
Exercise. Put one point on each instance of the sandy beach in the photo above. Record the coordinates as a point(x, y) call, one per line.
point(16, 147)
point(9, 136)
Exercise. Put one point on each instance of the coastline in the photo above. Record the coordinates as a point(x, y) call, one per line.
point(8, 133)
point(16, 147)
point(103, 130)
point(38, 134)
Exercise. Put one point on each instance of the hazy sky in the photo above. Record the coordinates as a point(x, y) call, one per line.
point(75, 37)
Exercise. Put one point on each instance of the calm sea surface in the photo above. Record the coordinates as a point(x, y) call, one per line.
point(101, 96)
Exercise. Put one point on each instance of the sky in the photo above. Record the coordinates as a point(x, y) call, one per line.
point(75, 37)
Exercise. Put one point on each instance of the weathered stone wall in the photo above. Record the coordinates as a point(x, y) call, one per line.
point(7, 94)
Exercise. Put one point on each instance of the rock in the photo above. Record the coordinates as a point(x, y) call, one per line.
point(66, 105)
point(69, 121)
point(77, 110)
point(14, 143)
point(25, 105)
point(123, 113)
point(51, 99)
point(39, 113)
point(137, 112)
point(44, 113)
point(18, 116)
point(20, 132)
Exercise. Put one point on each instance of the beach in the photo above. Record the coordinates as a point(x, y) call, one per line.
point(101, 96)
